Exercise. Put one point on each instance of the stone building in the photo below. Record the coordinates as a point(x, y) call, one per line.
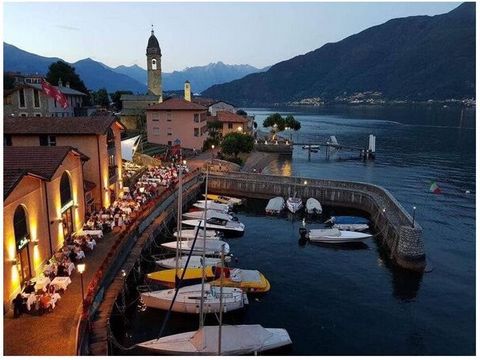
point(43, 197)
point(231, 122)
point(134, 106)
point(220, 106)
point(97, 137)
point(28, 99)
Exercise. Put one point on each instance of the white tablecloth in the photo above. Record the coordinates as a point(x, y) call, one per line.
point(70, 268)
point(98, 233)
point(41, 282)
point(61, 282)
point(55, 298)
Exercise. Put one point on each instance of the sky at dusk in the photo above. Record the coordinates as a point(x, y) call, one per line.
point(192, 34)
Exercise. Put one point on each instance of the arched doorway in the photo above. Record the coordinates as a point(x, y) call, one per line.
point(22, 238)
point(67, 205)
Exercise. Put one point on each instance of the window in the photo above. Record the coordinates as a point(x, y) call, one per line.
point(65, 190)
point(169, 143)
point(21, 100)
point(169, 115)
point(7, 140)
point(230, 125)
point(169, 132)
point(196, 132)
point(155, 120)
point(48, 140)
point(154, 64)
point(110, 139)
point(196, 118)
point(55, 103)
point(156, 131)
point(23, 114)
point(20, 227)
point(37, 114)
point(8, 100)
point(36, 98)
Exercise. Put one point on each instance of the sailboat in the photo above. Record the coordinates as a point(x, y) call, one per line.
point(212, 247)
point(211, 214)
point(212, 205)
point(189, 234)
point(195, 262)
point(221, 339)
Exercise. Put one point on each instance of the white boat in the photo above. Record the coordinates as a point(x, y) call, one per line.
point(212, 247)
point(351, 227)
point(189, 234)
point(236, 340)
point(188, 299)
point(315, 147)
point(212, 205)
point(229, 200)
point(313, 206)
point(195, 262)
point(335, 236)
point(210, 214)
point(294, 204)
point(229, 228)
point(275, 205)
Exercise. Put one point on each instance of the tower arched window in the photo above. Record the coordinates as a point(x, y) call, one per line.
point(154, 64)
point(110, 139)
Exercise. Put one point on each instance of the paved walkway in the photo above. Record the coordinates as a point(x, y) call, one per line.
point(54, 333)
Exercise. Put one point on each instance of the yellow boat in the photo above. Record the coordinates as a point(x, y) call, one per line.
point(248, 280)
point(222, 199)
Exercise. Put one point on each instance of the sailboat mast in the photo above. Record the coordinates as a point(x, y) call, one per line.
point(221, 302)
point(179, 220)
point(204, 250)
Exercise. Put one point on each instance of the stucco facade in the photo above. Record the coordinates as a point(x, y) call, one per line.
point(41, 202)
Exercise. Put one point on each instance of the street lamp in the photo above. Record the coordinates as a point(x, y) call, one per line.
point(413, 220)
point(213, 148)
point(81, 269)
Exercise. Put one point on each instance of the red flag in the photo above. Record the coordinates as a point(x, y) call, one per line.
point(52, 91)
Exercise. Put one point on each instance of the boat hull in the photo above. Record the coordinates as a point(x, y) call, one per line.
point(293, 205)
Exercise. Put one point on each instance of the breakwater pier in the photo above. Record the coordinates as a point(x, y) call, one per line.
point(398, 230)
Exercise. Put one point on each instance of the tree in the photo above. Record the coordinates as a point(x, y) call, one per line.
point(235, 143)
point(116, 96)
point(241, 112)
point(60, 70)
point(278, 123)
point(8, 81)
point(101, 98)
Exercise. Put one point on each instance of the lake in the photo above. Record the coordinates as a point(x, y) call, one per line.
point(352, 300)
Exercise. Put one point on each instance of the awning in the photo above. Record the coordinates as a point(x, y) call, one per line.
point(129, 146)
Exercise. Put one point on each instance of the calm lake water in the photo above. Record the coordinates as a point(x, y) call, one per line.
point(352, 300)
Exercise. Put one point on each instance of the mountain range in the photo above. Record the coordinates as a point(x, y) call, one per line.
point(412, 58)
point(97, 75)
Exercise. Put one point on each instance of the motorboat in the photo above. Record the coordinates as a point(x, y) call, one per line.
point(212, 205)
point(212, 247)
point(251, 281)
point(356, 226)
point(211, 214)
point(335, 236)
point(236, 340)
point(222, 199)
point(352, 227)
point(313, 207)
point(312, 147)
point(188, 299)
point(195, 261)
point(189, 234)
point(248, 280)
point(294, 204)
point(229, 228)
point(275, 206)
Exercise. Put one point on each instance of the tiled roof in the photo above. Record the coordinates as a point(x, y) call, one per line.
point(204, 101)
point(63, 89)
point(11, 177)
point(81, 125)
point(40, 160)
point(229, 117)
point(177, 104)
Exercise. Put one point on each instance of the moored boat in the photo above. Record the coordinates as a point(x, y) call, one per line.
point(294, 204)
point(188, 298)
point(211, 214)
point(195, 261)
point(189, 234)
point(236, 340)
point(228, 228)
point(313, 206)
point(212, 247)
point(335, 236)
point(232, 201)
point(212, 205)
point(275, 205)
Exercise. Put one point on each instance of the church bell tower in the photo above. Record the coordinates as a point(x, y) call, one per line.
point(154, 66)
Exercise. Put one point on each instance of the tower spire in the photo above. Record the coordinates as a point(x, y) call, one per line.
point(152, 29)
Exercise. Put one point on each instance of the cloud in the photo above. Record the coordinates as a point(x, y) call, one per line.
point(67, 27)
